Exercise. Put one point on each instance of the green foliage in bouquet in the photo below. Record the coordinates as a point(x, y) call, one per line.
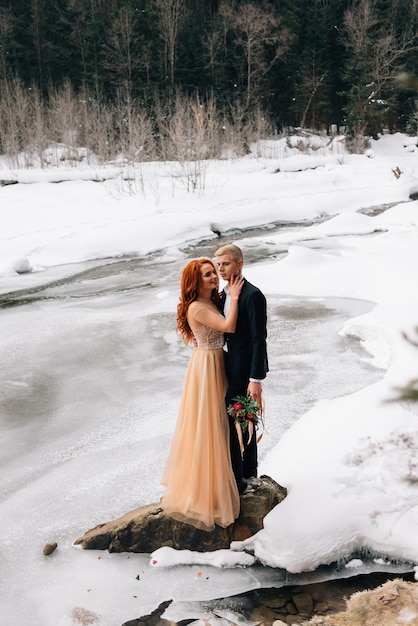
point(245, 410)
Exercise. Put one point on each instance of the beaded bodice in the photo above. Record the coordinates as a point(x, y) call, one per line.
point(208, 338)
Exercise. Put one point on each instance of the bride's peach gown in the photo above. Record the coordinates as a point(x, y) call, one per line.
point(201, 487)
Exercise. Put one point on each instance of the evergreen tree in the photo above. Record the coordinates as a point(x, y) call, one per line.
point(375, 56)
point(308, 62)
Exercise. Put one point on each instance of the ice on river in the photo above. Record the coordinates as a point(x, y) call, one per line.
point(91, 369)
point(89, 399)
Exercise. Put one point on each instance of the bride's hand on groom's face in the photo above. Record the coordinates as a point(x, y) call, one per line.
point(235, 286)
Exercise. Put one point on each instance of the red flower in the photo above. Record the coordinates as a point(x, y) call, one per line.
point(244, 409)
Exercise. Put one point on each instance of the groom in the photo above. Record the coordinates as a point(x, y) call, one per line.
point(245, 356)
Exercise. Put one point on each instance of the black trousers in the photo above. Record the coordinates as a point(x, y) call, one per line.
point(244, 466)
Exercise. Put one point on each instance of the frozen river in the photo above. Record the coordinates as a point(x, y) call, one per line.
point(91, 365)
point(91, 373)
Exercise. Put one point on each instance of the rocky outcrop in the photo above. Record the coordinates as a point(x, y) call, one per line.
point(153, 619)
point(147, 528)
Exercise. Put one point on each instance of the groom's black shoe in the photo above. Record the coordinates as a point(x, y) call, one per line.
point(242, 486)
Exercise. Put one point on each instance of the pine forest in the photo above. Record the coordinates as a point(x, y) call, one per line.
point(183, 78)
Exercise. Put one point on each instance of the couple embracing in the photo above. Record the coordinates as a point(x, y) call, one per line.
point(208, 463)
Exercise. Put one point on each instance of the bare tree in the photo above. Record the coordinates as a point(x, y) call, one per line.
point(23, 135)
point(121, 49)
point(375, 59)
point(311, 86)
point(257, 31)
point(12, 107)
point(122, 59)
point(212, 43)
point(37, 10)
point(171, 14)
point(6, 21)
point(64, 115)
point(314, 73)
point(215, 40)
point(135, 131)
point(86, 36)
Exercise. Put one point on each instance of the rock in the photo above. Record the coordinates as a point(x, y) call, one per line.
point(263, 615)
point(153, 619)
point(147, 528)
point(291, 609)
point(322, 607)
point(303, 603)
point(277, 598)
point(49, 548)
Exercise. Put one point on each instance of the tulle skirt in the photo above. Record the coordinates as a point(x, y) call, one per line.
point(201, 487)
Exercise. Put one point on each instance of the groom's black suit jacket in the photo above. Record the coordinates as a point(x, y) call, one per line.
point(247, 350)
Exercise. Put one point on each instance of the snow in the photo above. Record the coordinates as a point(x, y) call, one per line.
point(350, 461)
point(166, 557)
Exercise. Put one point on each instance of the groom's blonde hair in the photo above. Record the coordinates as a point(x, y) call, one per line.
point(231, 249)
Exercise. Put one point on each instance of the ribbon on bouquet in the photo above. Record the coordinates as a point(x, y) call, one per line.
point(247, 413)
point(249, 432)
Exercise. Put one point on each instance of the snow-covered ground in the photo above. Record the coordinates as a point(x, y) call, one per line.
point(350, 461)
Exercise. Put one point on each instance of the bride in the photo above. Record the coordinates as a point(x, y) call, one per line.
point(200, 485)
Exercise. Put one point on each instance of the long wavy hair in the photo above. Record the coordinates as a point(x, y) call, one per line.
point(191, 281)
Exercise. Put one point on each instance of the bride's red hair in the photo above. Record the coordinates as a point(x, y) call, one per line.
point(191, 280)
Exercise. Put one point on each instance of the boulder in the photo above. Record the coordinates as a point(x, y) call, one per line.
point(147, 528)
point(153, 619)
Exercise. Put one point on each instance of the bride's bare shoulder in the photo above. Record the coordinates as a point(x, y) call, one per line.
point(197, 306)
point(194, 306)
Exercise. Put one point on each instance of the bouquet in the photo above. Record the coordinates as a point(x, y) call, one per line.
point(245, 410)
point(247, 413)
